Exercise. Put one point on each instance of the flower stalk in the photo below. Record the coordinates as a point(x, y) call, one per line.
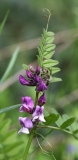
point(28, 144)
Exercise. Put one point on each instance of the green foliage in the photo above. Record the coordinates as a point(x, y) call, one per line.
point(10, 146)
point(52, 118)
point(25, 66)
point(64, 123)
point(46, 51)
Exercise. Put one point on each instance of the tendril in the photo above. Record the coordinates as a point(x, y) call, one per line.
point(48, 15)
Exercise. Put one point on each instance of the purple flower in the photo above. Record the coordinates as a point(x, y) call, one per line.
point(27, 105)
point(29, 74)
point(41, 87)
point(26, 82)
point(38, 114)
point(26, 124)
point(36, 79)
point(37, 70)
point(23, 81)
point(42, 99)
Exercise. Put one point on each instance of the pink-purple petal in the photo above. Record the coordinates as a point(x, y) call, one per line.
point(42, 99)
point(27, 104)
point(42, 86)
point(23, 81)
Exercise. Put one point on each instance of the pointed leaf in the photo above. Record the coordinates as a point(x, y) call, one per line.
point(75, 132)
point(51, 118)
point(76, 136)
point(25, 66)
point(55, 70)
point(49, 63)
point(67, 123)
point(54, 79)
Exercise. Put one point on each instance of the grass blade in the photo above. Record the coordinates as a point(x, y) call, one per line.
point(3, 23)
point(10, 65)
point(3, 110)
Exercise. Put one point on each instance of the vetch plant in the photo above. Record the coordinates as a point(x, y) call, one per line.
point(40, 77)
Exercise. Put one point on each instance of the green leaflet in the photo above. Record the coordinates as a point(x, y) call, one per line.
point(50, 46)
point(44, 33)
point(25, 66)
point(55, 79)
point(67, 123)
point(52, 118)
point(75, 132)
point(48, 54)
point(49, 63)
point(54, 70)
point(49, 49)
point(46, 51)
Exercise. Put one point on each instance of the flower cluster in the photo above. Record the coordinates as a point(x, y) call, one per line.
point(37, 113)
point(40, 79)
point(36, 77)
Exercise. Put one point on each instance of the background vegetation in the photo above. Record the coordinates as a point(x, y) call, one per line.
point(23, 29)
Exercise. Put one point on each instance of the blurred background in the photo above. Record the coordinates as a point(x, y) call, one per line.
point(23, 28)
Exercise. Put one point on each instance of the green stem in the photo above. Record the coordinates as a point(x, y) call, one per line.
point(36, 99)
point(28, 144)
point(31, 134)
point(56, 128)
